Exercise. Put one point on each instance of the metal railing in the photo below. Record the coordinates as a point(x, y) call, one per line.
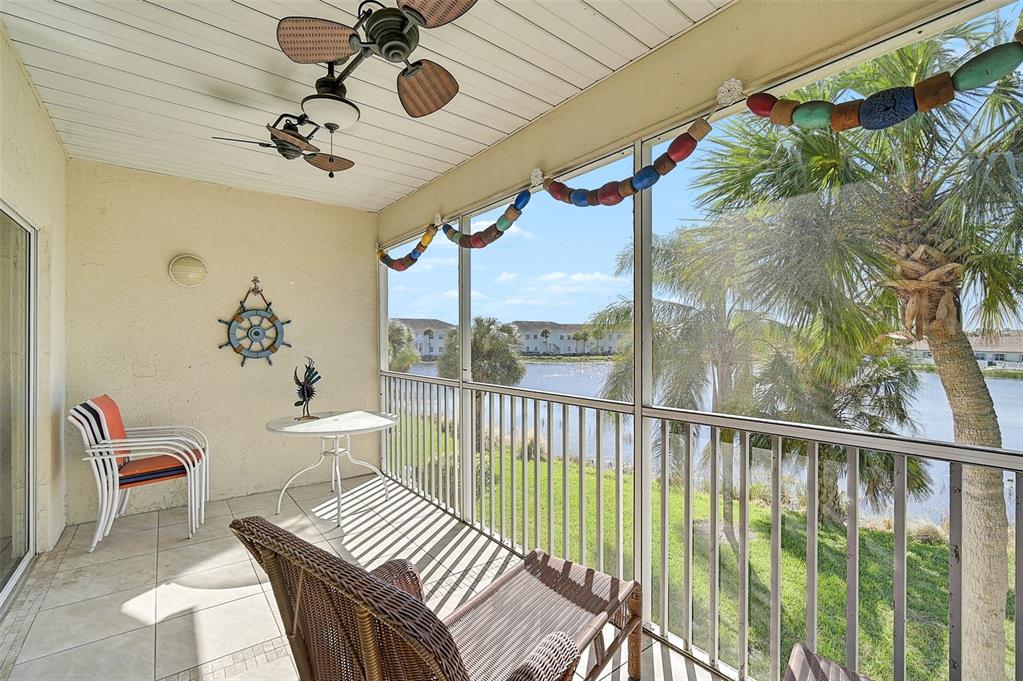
point(734, 503)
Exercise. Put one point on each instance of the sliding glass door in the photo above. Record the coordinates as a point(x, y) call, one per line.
point(16, 389)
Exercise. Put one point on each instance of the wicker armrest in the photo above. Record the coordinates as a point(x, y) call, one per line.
point(553, 659)
point(402, 574)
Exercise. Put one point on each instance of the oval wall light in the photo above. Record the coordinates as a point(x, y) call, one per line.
point(187, 270)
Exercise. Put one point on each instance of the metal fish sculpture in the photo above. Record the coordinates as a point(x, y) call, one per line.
point(306, 391)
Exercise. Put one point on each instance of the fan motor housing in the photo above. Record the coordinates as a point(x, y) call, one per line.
point(392, 34)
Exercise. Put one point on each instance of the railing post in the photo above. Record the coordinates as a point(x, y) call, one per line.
point(642, 392)
point(775, 629)
point(1018, 577)
point(852, 552)
point(465, 402)
point(812, 466)
point(714, 577)
point(955, 571)
point(744, 450)
point(899, 568)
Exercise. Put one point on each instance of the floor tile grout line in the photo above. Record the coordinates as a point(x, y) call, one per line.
point(95, 598)
point(87, 643)
point(27, 627)
point(156, 595)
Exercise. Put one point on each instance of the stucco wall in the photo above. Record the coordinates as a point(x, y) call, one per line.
point(761, 42)
point(152, 344)
point(33, 169)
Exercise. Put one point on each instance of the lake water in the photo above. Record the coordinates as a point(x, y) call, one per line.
point(932, 420)
point(932, 416)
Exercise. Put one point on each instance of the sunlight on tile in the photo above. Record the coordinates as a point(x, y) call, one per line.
point(197, 637)
point(72, 625)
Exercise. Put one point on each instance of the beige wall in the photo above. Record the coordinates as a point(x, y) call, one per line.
point(152, 345)
point(33, 169)
point(761, 42)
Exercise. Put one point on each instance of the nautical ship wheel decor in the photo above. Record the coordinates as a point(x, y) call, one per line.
point(255, 333)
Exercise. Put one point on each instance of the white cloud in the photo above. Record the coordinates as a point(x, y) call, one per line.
point(506, 277)
point(577, 277)
point(513, 231)
point(450, 295)
point(590, 277)
point(517, 231)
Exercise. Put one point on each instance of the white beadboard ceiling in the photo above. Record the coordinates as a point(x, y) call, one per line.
point(145, 83)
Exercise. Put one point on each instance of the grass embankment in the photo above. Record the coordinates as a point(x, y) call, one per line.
point(926, 562)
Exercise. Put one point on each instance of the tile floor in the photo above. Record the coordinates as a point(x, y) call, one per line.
point(150, 604)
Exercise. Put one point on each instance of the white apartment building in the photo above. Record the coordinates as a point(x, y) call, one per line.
point(564, 339)
point(559, 339)
point(1003, 350)
point(429, 334)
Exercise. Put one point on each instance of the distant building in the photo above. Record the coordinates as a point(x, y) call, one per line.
point(429, 335)
point(1003, 350)
point(562, 339)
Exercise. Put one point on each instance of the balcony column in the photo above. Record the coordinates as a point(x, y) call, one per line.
point(642, 388)
point(465, 434)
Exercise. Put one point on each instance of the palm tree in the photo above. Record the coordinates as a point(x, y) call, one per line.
point(545, 334)
point(582, 336)
point(873, 397)
point(401, 346)
point(915, 230)
point(495, 359)
point(495, 353)
point(429, 333)
point(715, 350)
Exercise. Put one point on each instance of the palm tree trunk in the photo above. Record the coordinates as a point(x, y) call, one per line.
point(985, 526)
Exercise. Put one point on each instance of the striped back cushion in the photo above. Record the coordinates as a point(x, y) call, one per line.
point(99, 419)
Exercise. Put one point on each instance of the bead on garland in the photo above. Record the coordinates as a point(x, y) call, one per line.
point(487, 236)
point(892, 106)
point(402, 264)
point(613, 193)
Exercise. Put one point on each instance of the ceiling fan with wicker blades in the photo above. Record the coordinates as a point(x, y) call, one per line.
point(287, 138)
point(391, 33)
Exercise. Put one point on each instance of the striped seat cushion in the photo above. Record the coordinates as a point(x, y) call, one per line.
point(151, 469)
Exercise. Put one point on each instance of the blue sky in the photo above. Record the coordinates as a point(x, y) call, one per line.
point(557, 263)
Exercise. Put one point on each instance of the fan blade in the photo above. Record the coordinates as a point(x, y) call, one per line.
point(296, 140)
point(437, 12)
point(308, 40)
point(424, 87)
point(232, 139)
point(329, 162)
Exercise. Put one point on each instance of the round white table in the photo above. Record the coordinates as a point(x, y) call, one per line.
point(333, 427)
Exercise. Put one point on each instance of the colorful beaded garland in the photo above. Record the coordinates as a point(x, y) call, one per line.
point(614, 193)
point(892, 106)
point(402, 264)
point(487, 236)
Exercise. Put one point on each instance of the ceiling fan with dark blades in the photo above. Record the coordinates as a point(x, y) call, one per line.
point(289, 141)
point(391, 33)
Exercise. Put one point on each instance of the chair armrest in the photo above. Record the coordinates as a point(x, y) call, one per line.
point(139, 446)
point(554, 659)
point(193, 434)
point(402, 574)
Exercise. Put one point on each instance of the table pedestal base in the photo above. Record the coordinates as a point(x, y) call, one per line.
point(336, 451)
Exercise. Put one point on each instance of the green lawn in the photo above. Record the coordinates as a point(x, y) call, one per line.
point(927, 564)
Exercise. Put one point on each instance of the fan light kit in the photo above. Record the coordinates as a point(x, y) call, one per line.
point(391, 33)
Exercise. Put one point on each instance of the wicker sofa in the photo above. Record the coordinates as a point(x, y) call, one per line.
point(533, 623)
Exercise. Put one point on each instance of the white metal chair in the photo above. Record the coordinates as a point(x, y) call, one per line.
point(124, 458)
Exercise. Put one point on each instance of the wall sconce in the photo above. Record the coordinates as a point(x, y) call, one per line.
point(187, 270)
